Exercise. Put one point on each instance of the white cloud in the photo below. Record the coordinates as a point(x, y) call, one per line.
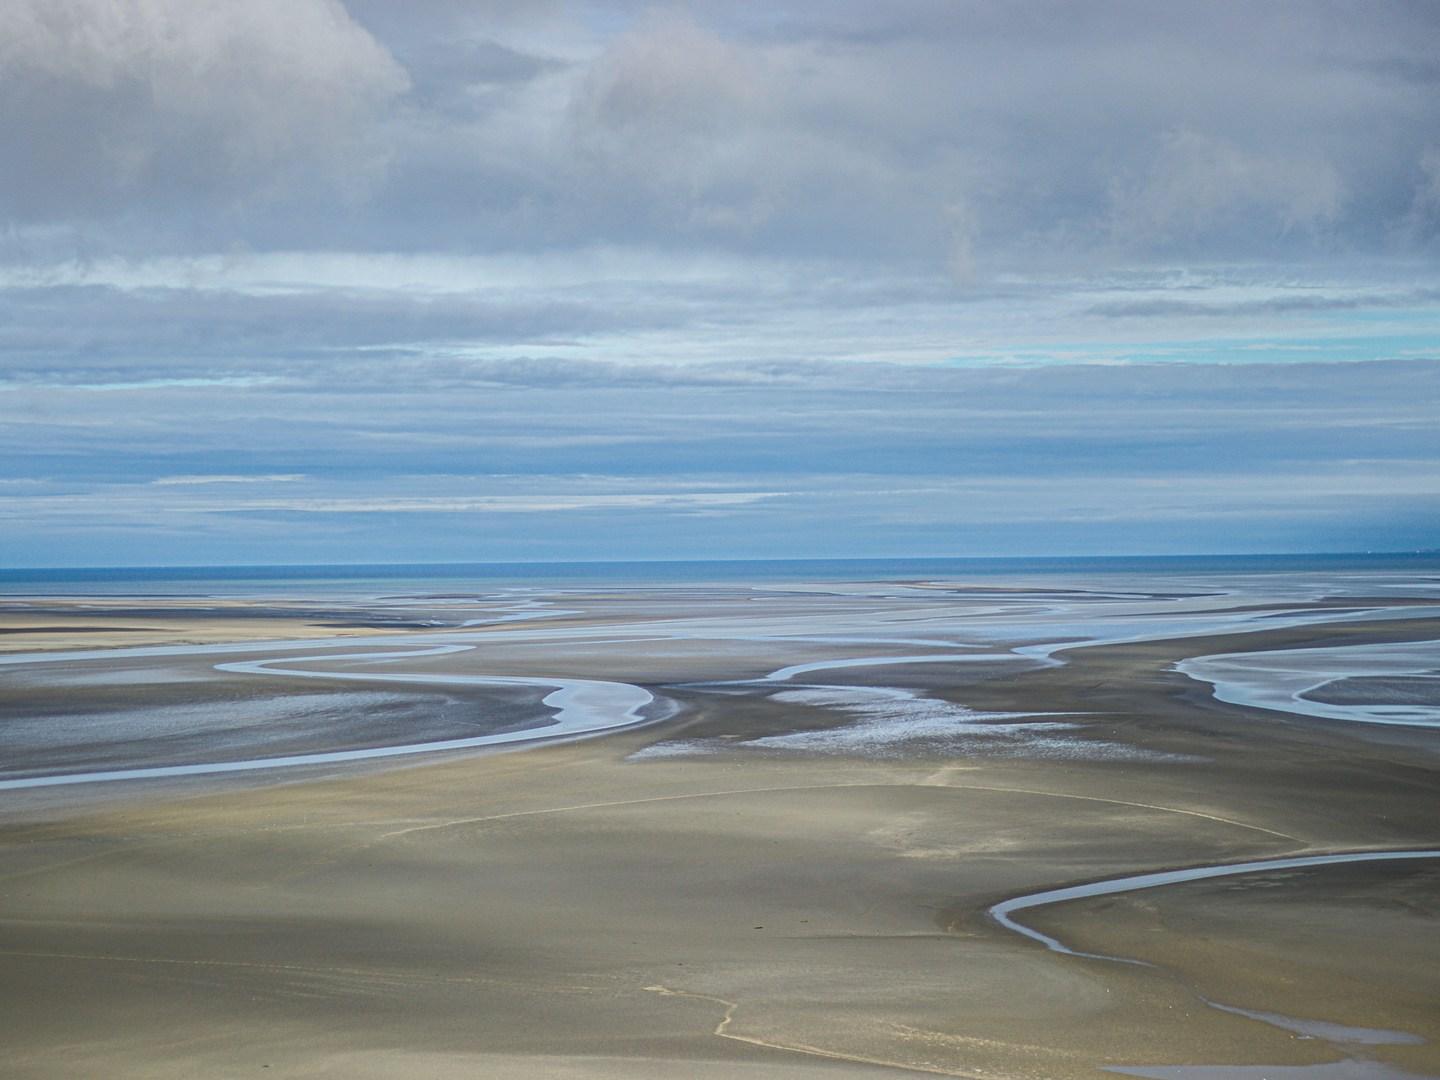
point(494, 504)
point(122, 104)
point(190, 481)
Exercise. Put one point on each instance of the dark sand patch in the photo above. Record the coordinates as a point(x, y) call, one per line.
point(1378, 689)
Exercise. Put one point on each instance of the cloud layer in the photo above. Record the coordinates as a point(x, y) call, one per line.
point(305, 280)
point(985, 135)
point(613, 462)
point(146, 110)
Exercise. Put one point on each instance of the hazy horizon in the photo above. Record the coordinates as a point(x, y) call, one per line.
point(846, 565)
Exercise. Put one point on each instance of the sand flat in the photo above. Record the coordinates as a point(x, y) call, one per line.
point(583, 909)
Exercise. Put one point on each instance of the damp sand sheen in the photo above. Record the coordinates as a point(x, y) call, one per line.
point(1157, 823)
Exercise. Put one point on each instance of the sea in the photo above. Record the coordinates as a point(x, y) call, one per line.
point(373, 579)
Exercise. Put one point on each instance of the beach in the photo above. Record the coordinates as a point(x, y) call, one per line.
point(766, 840)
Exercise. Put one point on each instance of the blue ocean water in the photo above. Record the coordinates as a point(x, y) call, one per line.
point(432, 577)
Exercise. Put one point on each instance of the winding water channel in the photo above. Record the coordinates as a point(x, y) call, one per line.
point(1003, 911)
point(587, 707)
point(1348, 1039)
point(582, 707)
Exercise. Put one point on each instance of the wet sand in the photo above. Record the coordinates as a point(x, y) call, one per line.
point(43, 624)
point(737, 909)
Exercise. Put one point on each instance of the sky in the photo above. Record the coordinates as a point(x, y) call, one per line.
point(298, 281)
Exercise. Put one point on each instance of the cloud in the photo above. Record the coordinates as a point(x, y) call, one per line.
point(693, 134)
point(1306, 302)
point(920, 133)
point(669, 73)
point(176, 103)
point(497, 504)
point(938, 270)
point(1198, 185)
point(189, 481)
point(1423, 221)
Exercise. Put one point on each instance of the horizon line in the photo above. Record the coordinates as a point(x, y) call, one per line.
point(1407, 552)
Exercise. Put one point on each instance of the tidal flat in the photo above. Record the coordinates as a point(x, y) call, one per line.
point(714, 828)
